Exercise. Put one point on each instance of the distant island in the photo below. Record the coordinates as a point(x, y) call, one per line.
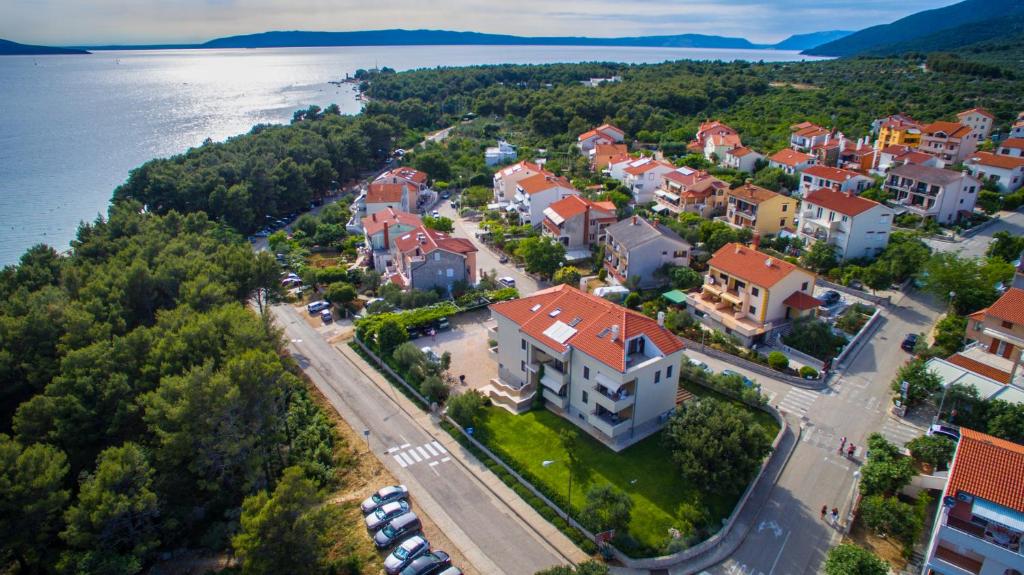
point(8, 48)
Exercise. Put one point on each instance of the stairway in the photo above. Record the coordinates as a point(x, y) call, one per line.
point(682, 396)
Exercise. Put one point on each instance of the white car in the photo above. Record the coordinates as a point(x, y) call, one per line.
point(507, 281)
point(405, 553)
point(433, 357)
point(435, 213)
point(700, 364)
point(386, 513)
point(317, 306)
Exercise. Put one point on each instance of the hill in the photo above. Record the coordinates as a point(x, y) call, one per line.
point(919, 25)
point(8, 48)
point(398, 37)
point(812, 40)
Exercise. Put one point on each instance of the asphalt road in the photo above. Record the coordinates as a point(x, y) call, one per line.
point(459, 504)
point(1012, 222)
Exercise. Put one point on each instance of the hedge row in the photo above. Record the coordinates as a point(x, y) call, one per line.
point(412, 318)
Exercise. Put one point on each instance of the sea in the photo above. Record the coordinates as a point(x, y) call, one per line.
point(72, 127)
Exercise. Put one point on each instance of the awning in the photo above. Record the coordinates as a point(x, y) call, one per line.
point(1002, 515)
point(551, 382)
point(675, 296)
point(611, 384)
point(658, 208)
point(667, 195)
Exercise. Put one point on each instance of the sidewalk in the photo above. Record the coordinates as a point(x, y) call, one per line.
point(546, 532)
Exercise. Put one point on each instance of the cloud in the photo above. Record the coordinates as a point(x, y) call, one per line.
point(156, 21)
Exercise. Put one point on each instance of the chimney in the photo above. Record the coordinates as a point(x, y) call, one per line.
point(386, 238)
point(849, 193)
point(615, 332)
point(768, 262)
point(756, 241)
point(739, 248)
point(661, 319)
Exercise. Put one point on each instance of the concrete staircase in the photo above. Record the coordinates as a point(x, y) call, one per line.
point(682, 396)
point(510, 399)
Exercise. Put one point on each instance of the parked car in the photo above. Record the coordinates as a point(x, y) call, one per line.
point(316, 306)
point(406, 552)
point(385, 513)
point(502, 259)
point(831, 297)
point(399, 528)
point(446, 195)
point(325, 316)
point(946, 431)
point(453, 204)
point(507, 281)
point(746, 380)
point(442, 324)
point(910, 342)
point(700, 364)
point(291, 282)
point(435, 213)
point(382, 496)
point(451, 571)
point(429, 564)
point(433, 357)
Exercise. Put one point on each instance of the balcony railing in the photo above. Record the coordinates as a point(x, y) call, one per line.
point(609, 424)
point(957, 560)
point(613, 401)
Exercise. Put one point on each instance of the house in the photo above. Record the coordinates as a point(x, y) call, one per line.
point(1017, 130)
point(1005, 171)
point(876, 124)
point(534, 194)
point(806, 135)
point(898, 130)
point(999, 328)
point(980, 121)
point(748, 293)
point(979, 525)
point(716, 146)
point(603, 134)
point(381, 196)
point(609, 370)
point(506, 179)
point(741, 159)
point(428, 259)
point(760, 209)
point(381, 229)
point(840, 151)
point(602, 155)
point(578, 223)
point(817, 177)
point(949, 141)
point(858, 227)
point(635, 249)
point(405, 175)
point(714, 137)
point(501, 154)
point(688, 190)
point(933, 193)
point(898, 154)
point(1013, 147)
point(642, 177)
point(595, 82)
point(791, 161)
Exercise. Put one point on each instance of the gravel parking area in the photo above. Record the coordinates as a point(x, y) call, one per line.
point(467, 342)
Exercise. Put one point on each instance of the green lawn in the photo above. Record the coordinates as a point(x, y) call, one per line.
point(661, 499)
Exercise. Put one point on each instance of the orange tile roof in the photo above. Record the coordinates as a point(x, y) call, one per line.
point(981, 111)
point(1009, 306)
point(405, 173)
point(951, 129)
point(575, 205)
point(750, 265)
point(979, 368)
point(996, 160)
point(602, 130)
point(726, 140)
point(842, 202)
point(593, 330)
point(519, 168)
point(988, 467)
point(810, 131)
point(428, 240)
point(1012, 143)
point(648, 166)
point(392, 217)
point(790, 157)
point(752, 194)
point(802, 301)
point(740, 152)
point(543, 181)
point(380, 192)
point(610, 150)
point(831, 174)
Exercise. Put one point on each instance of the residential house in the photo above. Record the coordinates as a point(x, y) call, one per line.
point(534, 194)
point(1013, 147)
point(898, 154)
point(876, 124)
point(760, 209)
point(712, 136)
point(741, 159)
point(791, 161)
point(381, 229)
point(405, 175)
point(817, 177)
point(635, 249)
point(748, 293)
point(933, 193)
point(858, 227)
point(1005, 171)
point(858, 155)
point(999, 329)
point(506, 179)
point(602, 155)
point(578, 223)
point(603, 134)
point(428, 259)
point(688, 190)
point(806, 135)
point(979, 525)
point(1017, 130)
point(609, 370)
point(949, 141)
point(899, 130)
point(501, 154)
point(381, 196)
point(716, 146)
point(642, 177)
point(980, 121)
point(975, 367)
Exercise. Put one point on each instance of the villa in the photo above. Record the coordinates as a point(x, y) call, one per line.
point(933, 193)
point(760, 209)
point(856, 226)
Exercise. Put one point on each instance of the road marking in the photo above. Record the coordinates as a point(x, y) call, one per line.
point(798, 401)
point(771, 525)
point(408, 460)
point(899, 433)
point(399, 460)
point(438, 446)
point(433, 463)
point(414, 455)
point(430, 448)
point(446, 459)
point(779, 556)
point(423, 452)
point(404, 445)
point(390, 450)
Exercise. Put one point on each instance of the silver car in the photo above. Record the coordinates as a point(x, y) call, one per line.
point(382, 496)
point(405, 553)
point(385, 513)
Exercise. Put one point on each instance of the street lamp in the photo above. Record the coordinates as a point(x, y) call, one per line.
point(568, 503)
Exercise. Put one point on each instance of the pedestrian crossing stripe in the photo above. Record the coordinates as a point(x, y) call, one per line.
point(438, 446)
point(430, 448)
point(423, 452)
point(412, 453)
point(408, 455)
point(400, 461)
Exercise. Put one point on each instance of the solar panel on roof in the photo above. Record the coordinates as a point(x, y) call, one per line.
point(560, 332)
point(575, 321)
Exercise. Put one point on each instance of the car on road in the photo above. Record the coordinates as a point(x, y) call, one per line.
point(435, 214)
point(910, 342)
point(502, 259)
point(700, 365)
point(429, 564)
point(453, 204)
point(399, 528)
point(507, 281)
point(746, 380)
point(946, 431)
point(386, 513)
point(442, 324)
point(291, 282)
point(406, 552)
point(382, 496)
point(830, 297)
point(446, 195)
point(317, 306)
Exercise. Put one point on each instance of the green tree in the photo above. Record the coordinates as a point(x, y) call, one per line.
point(970, 282)
point(434, 162)
point(684, 278)
point(1006, 420)
point(441, 223)
point(111, 529)
point(542, 255)
point(467, 409)
point(588, 567)
point(821, 257)
point(322, 177)
point(778, 361)
point(340, 293)
point(390, 335)
point(921, 382)
point(567, 275)
point(32, 500)
point(950, 334)
point(934, 450)
point(877, 276)
point(717, 445)
point(632, 300)
point(607, 508)
point(848, 559)
point(434, 389)
point(876, 194)
point(890, 517)
point(284, 532)
point(265, 285)
point(1006, 246)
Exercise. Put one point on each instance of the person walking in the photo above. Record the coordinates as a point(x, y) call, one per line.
point(851, 450)
point(835, 517)
point(842, 444)
point(824, 511)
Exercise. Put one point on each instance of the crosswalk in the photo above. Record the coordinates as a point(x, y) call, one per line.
point(899, 433)
point(798, 401)
point(407, 455)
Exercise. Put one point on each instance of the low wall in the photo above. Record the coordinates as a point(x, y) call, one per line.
point(854, 292)
point(755, 367)
point(801, 356)
point(974, 231)
point(858, 339)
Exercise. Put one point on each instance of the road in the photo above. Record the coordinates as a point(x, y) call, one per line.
point(790, 537)
point(1012, 222)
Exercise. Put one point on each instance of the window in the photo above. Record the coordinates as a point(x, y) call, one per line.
point(754, 291)
point(782, 223)
point(450, 273)
point(522, 366)
point(668, 372)
point(1008, 324)
point(437, 256)
point(753, 310)
point(803, 287)
point(831, 216)
point(785, 207)
point(819, 213)
point(657, 376)
point(586, 372)
point(584, 398)
point(522, 344)
point(843, 219)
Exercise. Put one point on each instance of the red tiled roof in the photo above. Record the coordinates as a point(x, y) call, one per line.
point(981, 111)
point(648, 166)
point(810, 131)
point(405, 173)
point(979, 368)
point(915, 157)
point(428, 240)
point(790, 157)
point(575, 205)
point(519, 168)
point(375, 222)
point(989, 468)
point(951, 129)
point(802, 301)
point(544, 181)
point(380, 192)
point(593, 330)
point(726, 140)
point(832, 174)
point(752, 266)
point(740, 152)
point(1009, 306)
point(1012, 143)
point(996, 160)
point(610, 150)
point(602, 130)
point(753, 194)
point(841, 202)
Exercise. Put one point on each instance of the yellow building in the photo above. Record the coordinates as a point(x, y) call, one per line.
point(760, 209)
point(898, 131)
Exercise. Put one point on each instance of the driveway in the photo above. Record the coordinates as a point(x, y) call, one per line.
point(467, 342)
point(1012, 222)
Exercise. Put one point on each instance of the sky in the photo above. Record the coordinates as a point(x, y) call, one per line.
point(83, 22)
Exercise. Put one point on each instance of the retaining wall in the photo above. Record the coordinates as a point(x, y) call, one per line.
point(755, 367)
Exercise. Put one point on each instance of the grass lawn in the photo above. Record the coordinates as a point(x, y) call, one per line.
point(661, 499)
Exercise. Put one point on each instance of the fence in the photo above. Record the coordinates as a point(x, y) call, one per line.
point(858, 339)
point(818, 383)
point(801, 356)
point(886, 300)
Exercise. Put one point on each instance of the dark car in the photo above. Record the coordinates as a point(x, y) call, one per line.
point(429, 564)
point(831, 297)
point(446, 195)
point(910, 342)
point(382, 496)
point(947, 431)
point(399, 528)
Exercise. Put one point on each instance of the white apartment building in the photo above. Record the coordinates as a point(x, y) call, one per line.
point(505, 179)
point(1006, 171)
point(858, 227)
point(642, 177)
point(980, 121)
point(817, 177)
point(934, 193)
point(533, 195)
point(500, 154)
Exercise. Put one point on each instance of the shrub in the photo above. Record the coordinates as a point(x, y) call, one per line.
point(467, 408)
point(434, 389)
point(567, 275)
point(888, 516)
point(934, 450)
point(778, 361)
point(602, 274)
point(808, 372)
point(847, 559)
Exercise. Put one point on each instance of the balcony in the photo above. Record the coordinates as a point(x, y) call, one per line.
point(743, 214)
point(615, 401)
point(999, 543)
point(560, 401)
point(610, 424)
point(732, 296)
point(553, 379)
point(960, 564)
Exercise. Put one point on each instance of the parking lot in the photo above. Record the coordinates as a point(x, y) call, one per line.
point(467, 342)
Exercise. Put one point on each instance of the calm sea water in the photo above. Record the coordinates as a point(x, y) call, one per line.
point(71, 127)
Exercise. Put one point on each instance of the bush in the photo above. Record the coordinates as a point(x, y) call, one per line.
point(815, 338)
point(434, 389)
point(602, 274)
point(467, 408)
point(778, 361)
point(567, 275)
point(934, 450)
point(847, 559)
point(808, 372)
point(888, 516)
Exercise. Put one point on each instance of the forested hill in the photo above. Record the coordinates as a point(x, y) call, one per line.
point(812, 40)
point(930, 22)
point(963, 39)
point(9, 48)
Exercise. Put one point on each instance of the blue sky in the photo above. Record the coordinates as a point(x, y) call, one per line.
point(156, 21)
